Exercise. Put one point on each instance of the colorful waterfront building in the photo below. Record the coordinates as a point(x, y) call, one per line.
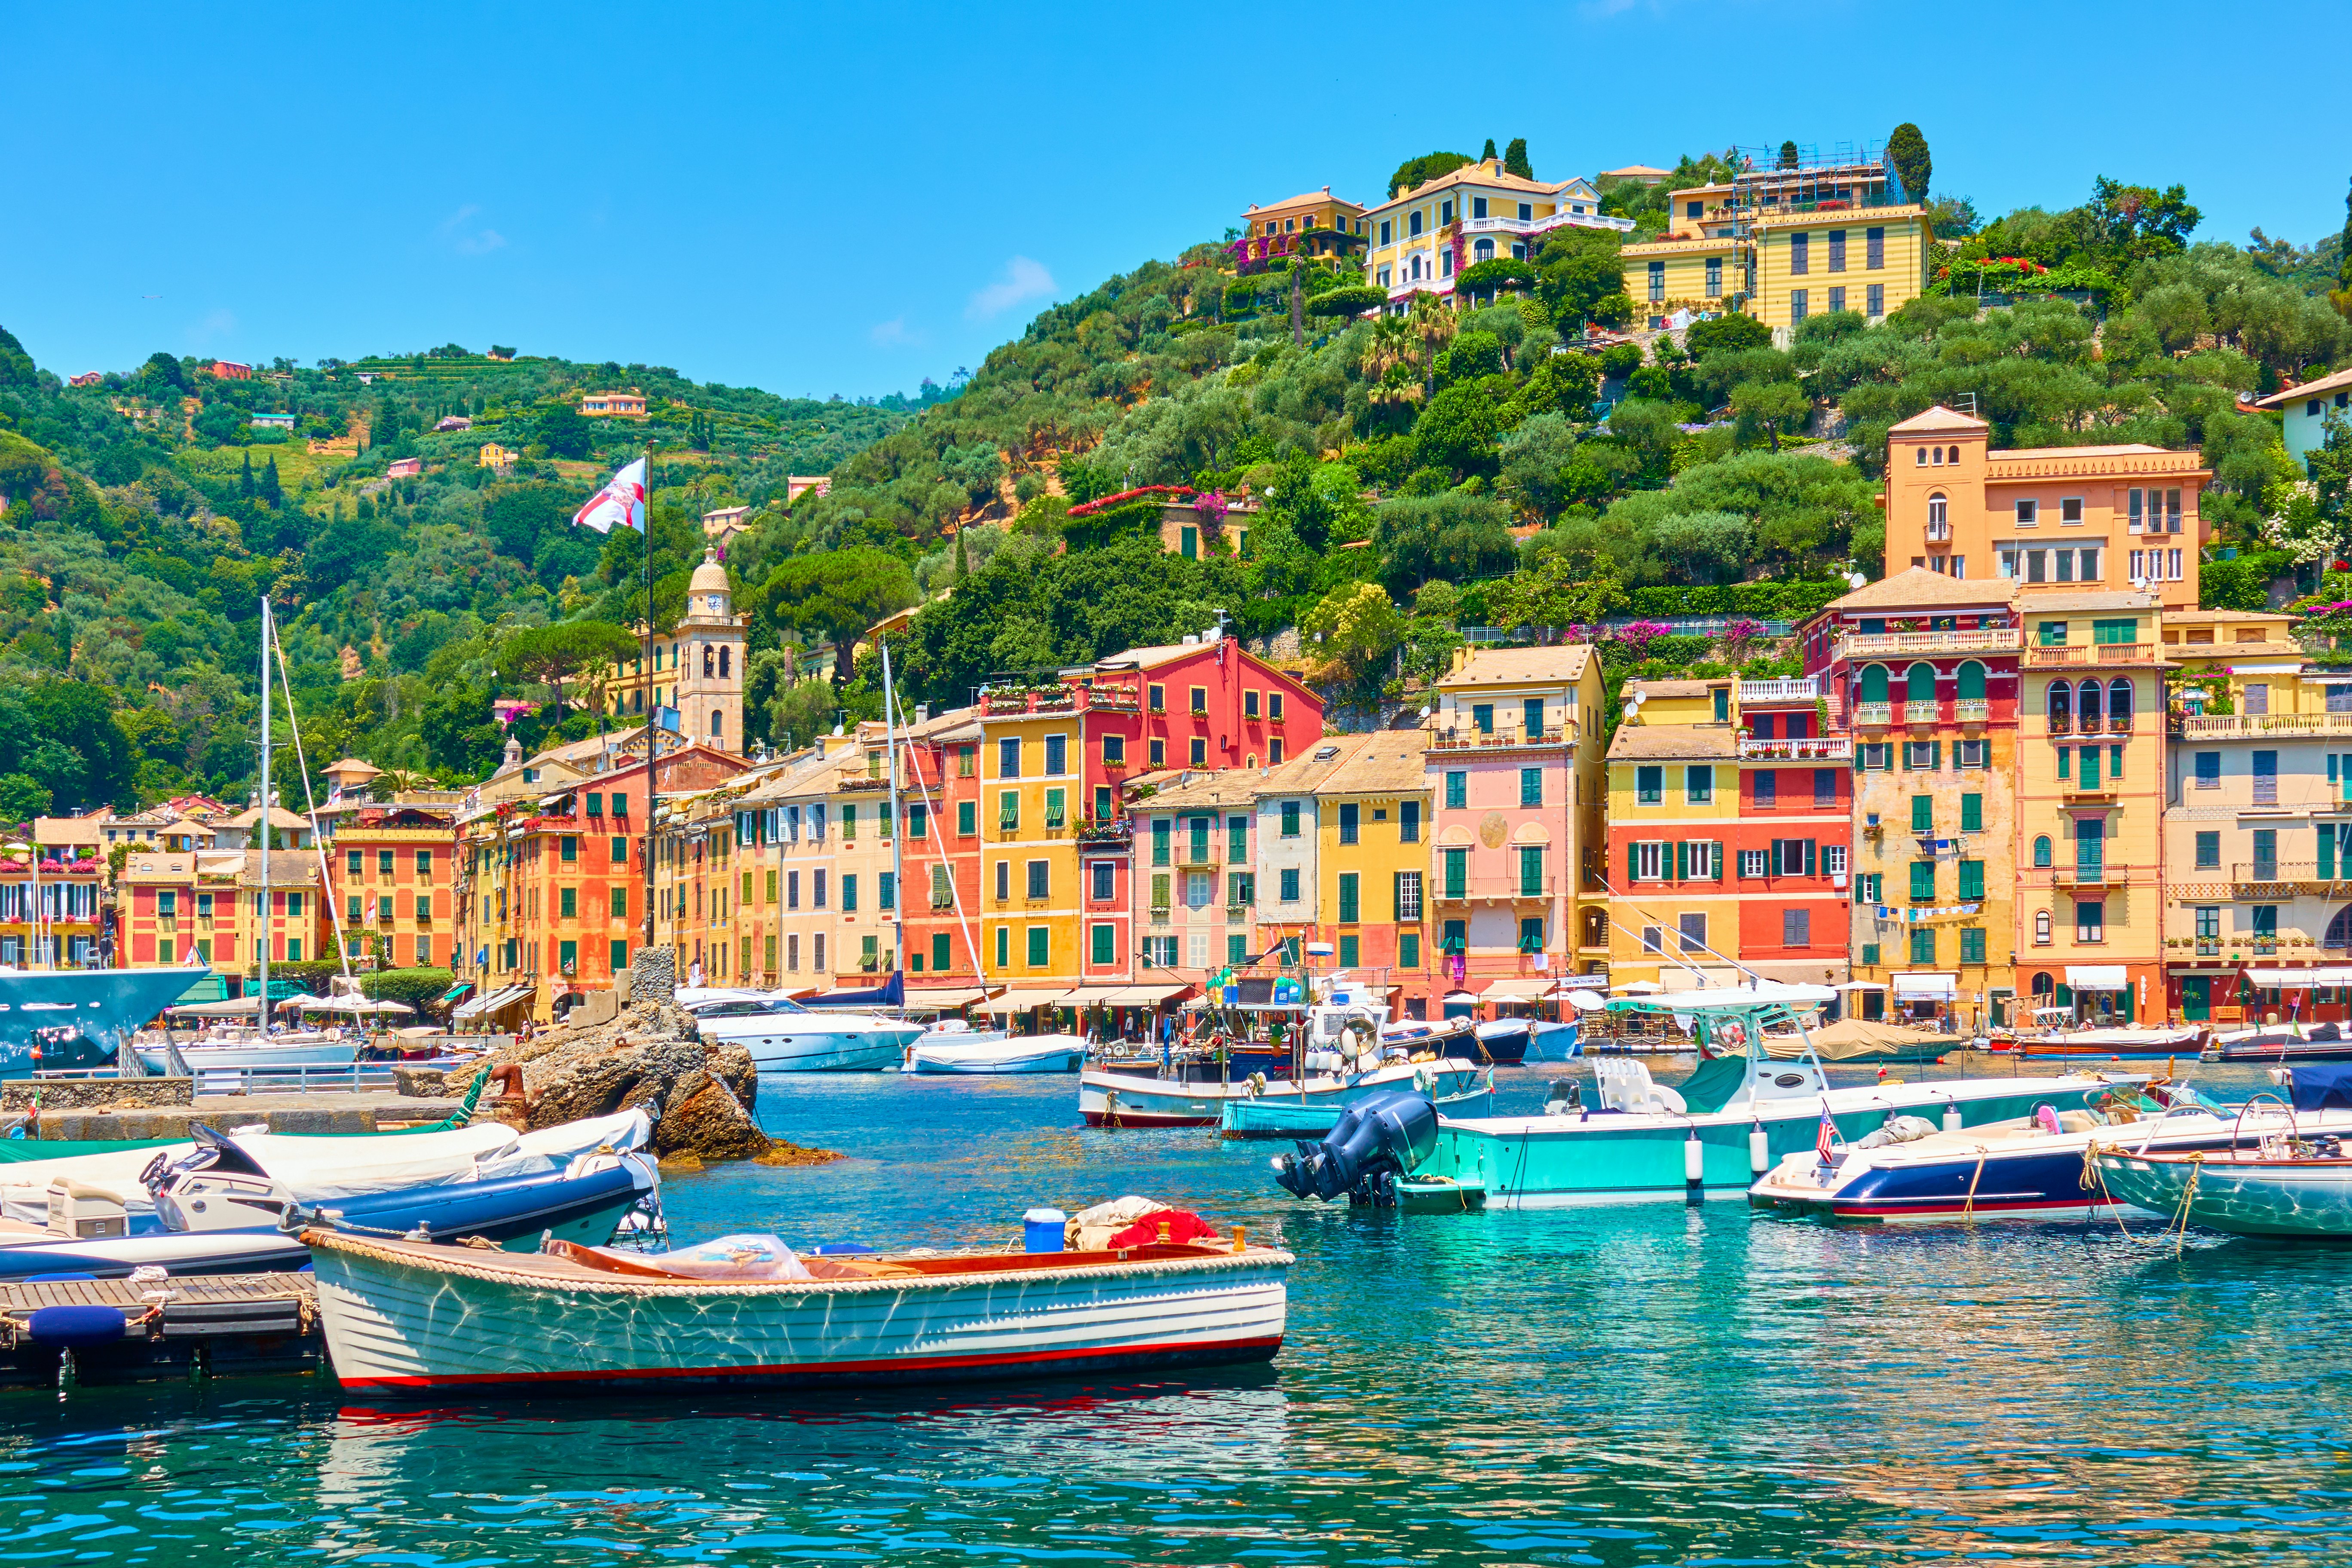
point(1787, 858)
point(1918, 676)
point(1315, 223)
point(209, 907)
point(2091, 796)
point(1673, 806)
point(53, 914)
point(1288, 842)
point(2257, 823)
point(1198, 884)
point(1420, 238)
point(1517, 786)
point(2081, 519)
point(791, 921)
point(1373, 864)
point(391, 871)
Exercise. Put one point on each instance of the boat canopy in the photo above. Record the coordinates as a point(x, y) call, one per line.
point(1727, 999)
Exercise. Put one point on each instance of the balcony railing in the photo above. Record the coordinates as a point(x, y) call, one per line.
point(1925, 713)
point(2092, 655)
point(1104, 835)
point(1874, 714)
point(2301, 876)
point(1503, 735)
point(2226, 726)
point(1546, 224)
point(2107, 874)
point(1971, 710)
point(1976, 639)
point(1812, 748)
point(1803, 689)
point(1494, 889)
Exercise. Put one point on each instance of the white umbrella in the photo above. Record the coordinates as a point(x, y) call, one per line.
point(1858, 985)
point(292, 1003)
point(1588, 1001)
point(1640, 987)
point(1459, 996)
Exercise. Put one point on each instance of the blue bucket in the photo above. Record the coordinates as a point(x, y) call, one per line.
point(1041, 1230)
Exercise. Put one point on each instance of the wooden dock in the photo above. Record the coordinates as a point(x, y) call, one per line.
point(183, 1326)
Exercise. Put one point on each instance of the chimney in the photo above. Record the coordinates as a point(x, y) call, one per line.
point(922, 712)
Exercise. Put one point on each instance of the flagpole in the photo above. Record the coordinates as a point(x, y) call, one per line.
point(653, 708)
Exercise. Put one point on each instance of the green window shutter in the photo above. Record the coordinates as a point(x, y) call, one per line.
point(1409, 949)
point(1923, 813)
point(1922, 880)
point(1972, 879)
point(2327, 852)
point(1038, 951)
point(1809, 857)
point(1869, 953)
point(1923, 946)
point(1633, 860)
point(1716, 849)
point(1936, 756)
point(1348, 910)
point(1972, 814)
point(1682, 859)
point(1972, 944)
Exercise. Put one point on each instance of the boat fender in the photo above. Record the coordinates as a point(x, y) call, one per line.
point(75, 1326)
point(1760, 1148)
point(1693, 1167)
point(1951, 1116)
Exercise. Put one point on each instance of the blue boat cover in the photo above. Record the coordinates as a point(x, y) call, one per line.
point(2322, 1085)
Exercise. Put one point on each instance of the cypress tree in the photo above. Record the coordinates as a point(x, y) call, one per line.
point(1488, 155)
point(245, 480)
point(271, 490)
point(1907, 149)
point(962, 565)
point(1515, 159)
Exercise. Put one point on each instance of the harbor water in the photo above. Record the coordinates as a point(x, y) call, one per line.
point(1632, 1384)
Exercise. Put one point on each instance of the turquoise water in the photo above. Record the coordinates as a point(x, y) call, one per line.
point(1642, 1384)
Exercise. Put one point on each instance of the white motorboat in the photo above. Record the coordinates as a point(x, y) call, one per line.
point(785, 1036)
point(308, 1050)
point(992, 1051)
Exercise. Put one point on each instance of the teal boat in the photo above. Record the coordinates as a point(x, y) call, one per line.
point(2300, 1187)
point(1731, 1122)
point(1293, 1116)
point(64, 1018)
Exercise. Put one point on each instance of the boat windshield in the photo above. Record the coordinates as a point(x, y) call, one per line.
point(748, 1007)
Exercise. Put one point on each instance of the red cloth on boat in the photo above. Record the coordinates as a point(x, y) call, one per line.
point(1183, 1226)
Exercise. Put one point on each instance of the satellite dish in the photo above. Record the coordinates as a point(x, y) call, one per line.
point(1855, 580)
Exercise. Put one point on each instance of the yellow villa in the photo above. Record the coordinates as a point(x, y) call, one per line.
point(1420, 238)
point(1674, 809)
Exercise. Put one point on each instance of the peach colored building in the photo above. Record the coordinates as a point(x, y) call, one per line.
point(2085, 519)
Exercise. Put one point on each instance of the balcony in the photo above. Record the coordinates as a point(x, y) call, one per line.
point(1874, 715)
point(2281, 878)
point(1813, 749)
point(1093, 834)
point(1925, 713)
point(1464, 737)
point(2252, 726)
point(1804, 689)
point(2093, 656)
point(1496, 889)
point(2106, 874)
point(1882, 645)
point(1971, 710)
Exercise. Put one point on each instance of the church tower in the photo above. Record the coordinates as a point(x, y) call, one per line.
point(709, 662)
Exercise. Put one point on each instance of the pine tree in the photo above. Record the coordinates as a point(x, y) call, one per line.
point(245, 480)
point(1907, 149)
point(962, 565)
point(1488, 155)
point(1515, 159)
point(271, 492)
point(1788, 154)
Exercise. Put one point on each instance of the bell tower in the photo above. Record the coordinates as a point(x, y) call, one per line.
point(711, 637)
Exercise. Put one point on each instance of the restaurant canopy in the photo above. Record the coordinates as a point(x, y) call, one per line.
point(1927, 986)
point(2333, 975)
point(2096, 977)
point(497, 1001)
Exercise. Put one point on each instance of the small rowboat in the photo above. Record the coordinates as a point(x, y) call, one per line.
point(414, 1316)
point(2292, 1186)
point(997, 1054)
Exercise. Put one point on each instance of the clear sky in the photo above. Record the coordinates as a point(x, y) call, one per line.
point(822, 199)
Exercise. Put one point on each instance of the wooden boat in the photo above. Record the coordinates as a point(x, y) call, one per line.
point(1118, 1099)
point(2290, 1186)
point(2126, 1041)
point(412, 1316)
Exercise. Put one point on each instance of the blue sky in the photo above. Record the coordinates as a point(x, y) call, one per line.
point(823, 199)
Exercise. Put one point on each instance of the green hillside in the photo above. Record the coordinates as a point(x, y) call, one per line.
point(1406, 477)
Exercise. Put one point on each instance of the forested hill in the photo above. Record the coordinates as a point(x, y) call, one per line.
point(1399, 478)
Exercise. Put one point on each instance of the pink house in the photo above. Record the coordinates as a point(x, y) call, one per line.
point(404, 468)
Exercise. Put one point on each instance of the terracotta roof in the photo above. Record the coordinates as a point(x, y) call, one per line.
point(1147, 657)
point(1521, 666)
point(1225, 786)
point(1304, 775)
point(1636, 172)
point(1392, 762)
point(1309, 198)
point(353, 765)
point(1937, 419)
point(1916, 587)
point(2128, 449)
point(1478, 174)
point(1673, 741)
point(2280, 399)
point(278, 817)
point(1653, 688)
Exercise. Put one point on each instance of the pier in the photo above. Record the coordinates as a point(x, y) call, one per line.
point(195, 1325)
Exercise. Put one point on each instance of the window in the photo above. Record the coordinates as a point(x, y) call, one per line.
point(1350, 815)
point(1040, 881)
point(2041, 928)
point(1833, 859)
point(1237, 838)
point(1249, 704)
point(1457, 791)
point(1114, 751)
point(1241, 890)
point(1199, 754)
point(1200, 700)
point(1692, 930)
point(1409, 949)
point(1039, 946)
point(1836, 237)
point(1878, 756)
point(1482, 718)
point(1698, 784)
point(1197, 840)
point(1008, 758)
point(1873, 250)
point(1531, 934)
point(2090, 919)
point(1801, 255)
point(2265, 778)
point(1162, 834)
point(1057, 752)
point(1972, 814)
point(1923, 881)
point(1274, 711)
point(567, 903)
point(1004, 880)
point(1768, 788)
point(1289, 885)
point(2029, 515)
point(1714, 276)
point(1008, 813)
point(1160, 895)
point(1290, 819)
point(1531, 871)
point(1349, 909)
point(1837, 299)
point(1645, 861)
point(1875, 297)
point(1157, 699)
point(1923, 813)
point(849, 892)
point(1923, 947)
point(1657, 282)
point(1796, 927)
point(1408, 895)
point(1530, 786)
point(569, 851)
point(1409, 822)
point(1972, 882)
point(1797, 304)
point(967, 817)
point(355, 862)
point(1456, 866)
point(1101, 944)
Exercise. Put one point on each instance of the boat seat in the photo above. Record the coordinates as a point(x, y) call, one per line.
point(1625, 1085)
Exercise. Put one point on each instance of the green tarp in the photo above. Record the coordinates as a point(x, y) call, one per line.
point(207, 988)
point(17, 1150)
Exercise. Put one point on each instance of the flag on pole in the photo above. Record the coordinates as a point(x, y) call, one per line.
point(1829, 1135)
point(622, 501)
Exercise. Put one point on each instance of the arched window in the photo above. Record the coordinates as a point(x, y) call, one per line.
point(1919, 457)
point(718, 726)
point(1919, 682)
point(1939, 511)
point(2120, 704)
point(2042, 850)
point(2041, 929)
point(1874, 683)
point(1484, 249)
point(2339, 931)
point(725, 657)
point(2086, 707)
point(1956, 455)
point(709, 661)
point(2062, 708)
point(1938, 459)
point(2043, 984)
point(1971, 680)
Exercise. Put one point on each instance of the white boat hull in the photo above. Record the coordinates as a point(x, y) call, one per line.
point(1012, 1054)
point(402, 1317)
point(1121, 1099)
point(815, 1042)
point(256, 1057)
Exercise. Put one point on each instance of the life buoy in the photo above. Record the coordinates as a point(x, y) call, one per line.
point(1731, 1035)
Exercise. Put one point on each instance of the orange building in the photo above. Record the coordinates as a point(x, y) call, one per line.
point(390, 871)
point(207, 906)
point(2089, 518)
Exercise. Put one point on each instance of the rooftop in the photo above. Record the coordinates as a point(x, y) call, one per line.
point(1640, 742)
point(2128, 449)
point(1520, 666)
point(1392, 762)
point(1305, 199)
point(1937, 419)
point(1916, 588)
point(1227, 786)
point(2280, 399)
point(2121, 599)
point(1303, 776)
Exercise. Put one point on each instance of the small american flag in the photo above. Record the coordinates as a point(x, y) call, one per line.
point(1829, 1135)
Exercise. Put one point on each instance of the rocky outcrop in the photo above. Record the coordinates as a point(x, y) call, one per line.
point(699, 1097)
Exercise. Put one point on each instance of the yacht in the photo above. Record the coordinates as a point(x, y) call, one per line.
point(785, 1036)
point(53, 1019)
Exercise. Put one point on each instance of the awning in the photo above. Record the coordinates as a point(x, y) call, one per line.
point(1145, 995)
point(497, 1001)
point(945, 998)
point(1519, 988)
point(1091, 996)
point(231, 1007)
point(1927, 986)
point(2336, 974)
point(456, 991)
point(2097, 977)
point(1021, 1001)
point(1858, 985)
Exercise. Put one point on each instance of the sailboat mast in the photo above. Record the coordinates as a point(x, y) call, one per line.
point(897, 824)
point(263, 897)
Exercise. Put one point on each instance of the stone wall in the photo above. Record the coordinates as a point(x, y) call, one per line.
point(85, 1093)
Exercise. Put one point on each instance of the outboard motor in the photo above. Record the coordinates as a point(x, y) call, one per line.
point(1378, 1139)
point(1566, 1099)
